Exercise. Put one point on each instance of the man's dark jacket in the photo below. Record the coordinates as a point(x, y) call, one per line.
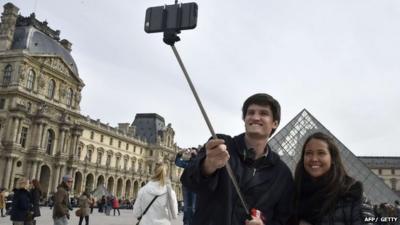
point(267, 185)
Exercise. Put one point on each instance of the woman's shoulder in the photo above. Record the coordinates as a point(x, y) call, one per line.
point(354, 192)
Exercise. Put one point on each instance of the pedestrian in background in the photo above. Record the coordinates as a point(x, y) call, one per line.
point(21, 213)
point(115, 205)
point(61, 201)
point(84, 203)
point(159, 199)
point(36, 193)
point(184, 159)
point(2, 201)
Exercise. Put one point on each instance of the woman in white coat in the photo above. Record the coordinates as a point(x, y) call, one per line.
point(165, 206)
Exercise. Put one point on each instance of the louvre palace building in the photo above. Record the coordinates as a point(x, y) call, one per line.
point(44, 136)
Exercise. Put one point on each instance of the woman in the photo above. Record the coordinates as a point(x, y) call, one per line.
point(325, 193)
point(164, 208)
point(36, 193)
point(21, 205)
point(2, 201)
point(84, 203)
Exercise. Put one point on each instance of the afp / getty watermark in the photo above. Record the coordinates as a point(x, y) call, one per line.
point(384, 219)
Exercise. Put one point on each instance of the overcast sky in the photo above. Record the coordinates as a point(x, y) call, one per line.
point(339, 59)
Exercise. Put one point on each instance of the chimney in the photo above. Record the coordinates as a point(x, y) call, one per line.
point(66, 44)
point(7, 26)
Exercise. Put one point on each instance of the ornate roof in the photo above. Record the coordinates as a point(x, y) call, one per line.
point(39, 40)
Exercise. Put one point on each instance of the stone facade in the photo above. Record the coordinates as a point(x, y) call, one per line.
point(387, 168)
point(42, 133)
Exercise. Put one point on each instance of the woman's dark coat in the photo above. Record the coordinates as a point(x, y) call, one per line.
point(352, 209)
point(36, 193)
point(21, 204)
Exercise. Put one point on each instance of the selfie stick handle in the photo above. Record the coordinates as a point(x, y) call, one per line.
point(228, 166)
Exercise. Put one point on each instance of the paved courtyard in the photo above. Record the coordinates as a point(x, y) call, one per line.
point(96, 218)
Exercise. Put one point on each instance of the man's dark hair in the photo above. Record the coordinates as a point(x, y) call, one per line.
point(263, 100)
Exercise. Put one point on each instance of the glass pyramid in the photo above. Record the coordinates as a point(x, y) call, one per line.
point(289, 141)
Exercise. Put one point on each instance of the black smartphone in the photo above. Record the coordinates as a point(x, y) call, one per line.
point(175, 17)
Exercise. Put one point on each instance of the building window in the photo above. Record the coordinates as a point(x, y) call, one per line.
point(127, 147)
point(111, 141)
point(108, 162)
point(24, 135)
point(393, 172)
point(29, 107)
point(89, 155)
point(99, 155)
point(92, 135)
point(380, 171)
point(50, 141)
point(2, 103)
point(125, 164)
point(117, 162)
point(31, 80)
point(101, 138)
point(119, 144)
point(69, 96)
point(393, 182)
point(51, 90)
point(7, 75)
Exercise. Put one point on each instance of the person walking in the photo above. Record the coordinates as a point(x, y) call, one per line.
point(184, 159)
point(2, 201)
point(115, 205)
point(21, 213)
point(61, 201)
point(84, 204)
point(156, 202)
point(36, 193)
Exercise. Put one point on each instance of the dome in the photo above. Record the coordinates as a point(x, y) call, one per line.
point(37, 43)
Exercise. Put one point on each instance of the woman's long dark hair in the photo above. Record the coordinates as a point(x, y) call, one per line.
point(36, 185)
point(336, 179)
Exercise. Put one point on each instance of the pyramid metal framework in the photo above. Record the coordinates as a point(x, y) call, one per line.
point(289, 141)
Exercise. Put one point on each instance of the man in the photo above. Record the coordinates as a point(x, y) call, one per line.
point(264, 179)
point(61, 201)
point(184, 159)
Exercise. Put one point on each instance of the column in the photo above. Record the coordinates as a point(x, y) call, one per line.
point(65, 144)
point(56, 177)
point(7, 173)
point(38, 136)
point(61, 143)
point(42, 136)
point(38, 170)
point(72, 145)
point(33, 170)
point(11, 183)
point(9, 129)
point(18, 136)
point(15, 129)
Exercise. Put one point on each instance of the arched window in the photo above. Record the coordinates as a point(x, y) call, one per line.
point(52, 87)
point(31, 80)
point(50, 141)
point(7, 75)
point(69, 96)
point(99, 156)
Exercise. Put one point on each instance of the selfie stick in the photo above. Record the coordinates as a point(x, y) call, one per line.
point(170, 37)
